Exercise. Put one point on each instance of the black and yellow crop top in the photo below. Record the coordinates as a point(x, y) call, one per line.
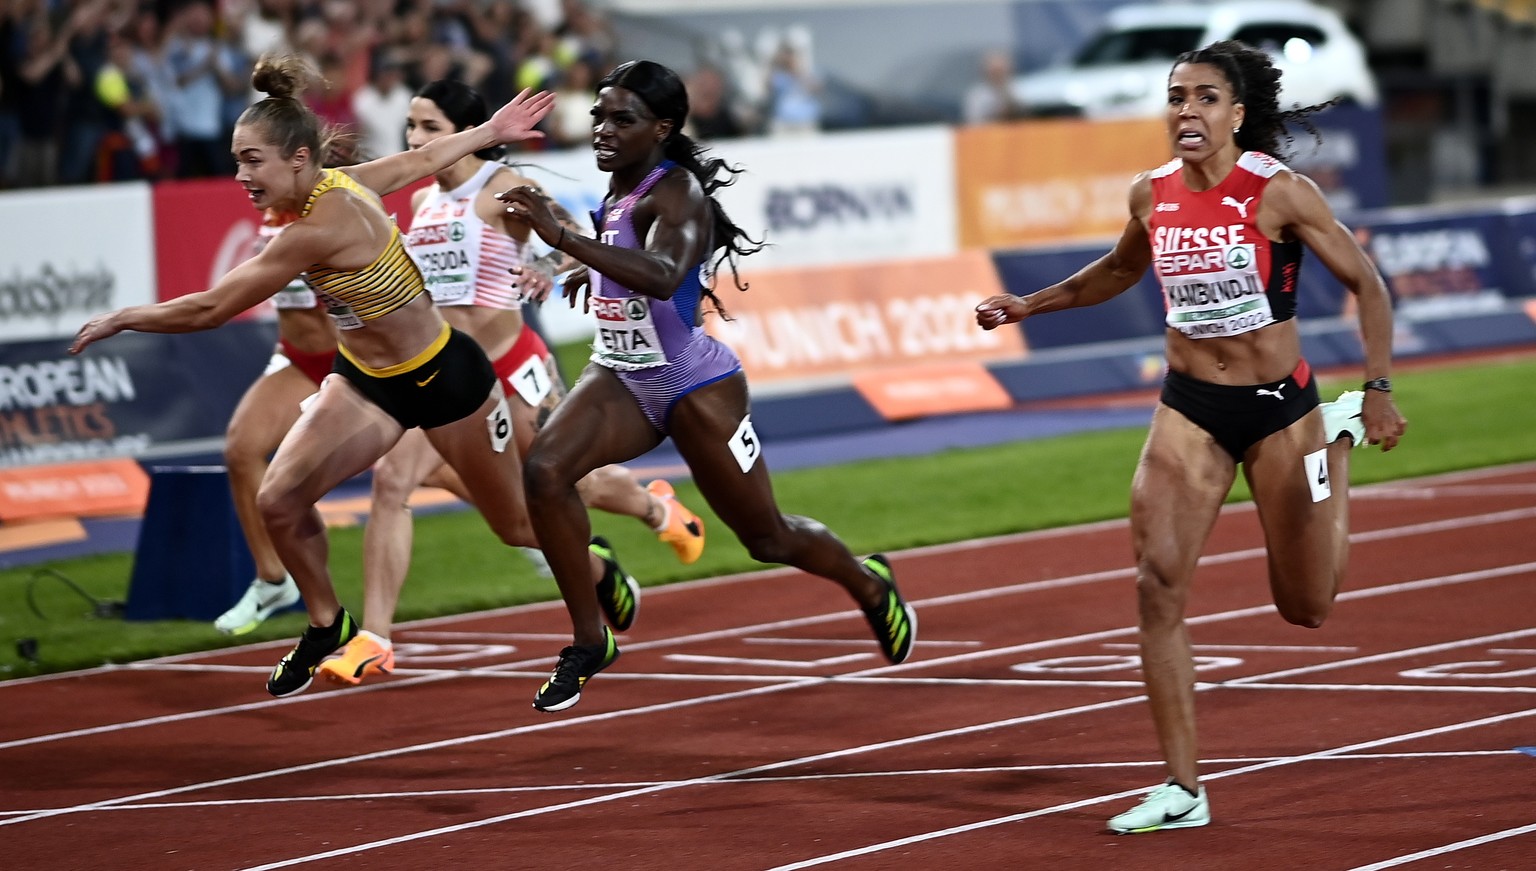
point(354, 296)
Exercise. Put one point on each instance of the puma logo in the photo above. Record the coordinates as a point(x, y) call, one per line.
point(1242, 207)
point(1260, 391)
point(428, 380)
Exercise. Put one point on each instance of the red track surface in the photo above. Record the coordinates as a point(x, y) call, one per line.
point(752, 725)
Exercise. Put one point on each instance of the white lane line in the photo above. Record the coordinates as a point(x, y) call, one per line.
point(1262, 648)
point(1233, 772)
point(1449, 848)
point(779, 778)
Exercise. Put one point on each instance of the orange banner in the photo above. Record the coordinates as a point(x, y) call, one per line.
point(1051, 180)
point(918, 391)
point(86, 489)
point(835, 321)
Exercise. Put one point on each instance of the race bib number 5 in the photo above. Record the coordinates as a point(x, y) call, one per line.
point(744, 445)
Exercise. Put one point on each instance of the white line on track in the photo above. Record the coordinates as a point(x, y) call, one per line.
point(1253, 682)
point(1449, 848)
point(781, 778)
point(1232, 772)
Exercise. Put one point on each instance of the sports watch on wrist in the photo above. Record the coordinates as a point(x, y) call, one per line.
point(1382, 384)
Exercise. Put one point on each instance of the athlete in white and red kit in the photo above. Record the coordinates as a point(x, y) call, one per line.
point(1224, 224)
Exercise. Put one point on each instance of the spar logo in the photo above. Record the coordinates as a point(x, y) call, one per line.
point(1238, 257)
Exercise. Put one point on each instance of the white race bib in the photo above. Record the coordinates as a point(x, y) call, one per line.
point(626, 336)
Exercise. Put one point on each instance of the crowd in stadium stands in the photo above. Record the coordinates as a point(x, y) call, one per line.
point(107, 90)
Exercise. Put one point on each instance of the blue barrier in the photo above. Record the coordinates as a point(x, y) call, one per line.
point(191, 562)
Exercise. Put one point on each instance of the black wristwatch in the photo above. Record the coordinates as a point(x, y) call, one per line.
point(1382, 384)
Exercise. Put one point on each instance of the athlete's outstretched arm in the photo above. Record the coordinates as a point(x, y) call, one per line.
point(1105, 278)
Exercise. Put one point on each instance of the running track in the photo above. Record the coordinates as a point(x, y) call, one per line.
point(752, 725)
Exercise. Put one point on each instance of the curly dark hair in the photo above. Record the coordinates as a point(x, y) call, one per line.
point(662, 91)
point(1255, 83)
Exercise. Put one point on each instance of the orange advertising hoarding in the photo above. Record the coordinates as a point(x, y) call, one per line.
point(1051, 180)
point(92, 488)
point(838, 321)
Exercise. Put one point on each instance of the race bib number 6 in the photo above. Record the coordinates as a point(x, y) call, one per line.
point(499, 422)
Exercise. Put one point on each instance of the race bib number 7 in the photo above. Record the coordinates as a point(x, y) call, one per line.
point(532, 381)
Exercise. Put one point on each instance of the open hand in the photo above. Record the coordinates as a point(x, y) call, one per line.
point(515, 121)
point(95, 329)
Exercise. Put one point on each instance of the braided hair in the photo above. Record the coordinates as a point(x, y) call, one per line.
point(660, 89)
point(1255, 83)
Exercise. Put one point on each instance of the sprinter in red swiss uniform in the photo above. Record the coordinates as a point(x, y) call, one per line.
point(1224, 224)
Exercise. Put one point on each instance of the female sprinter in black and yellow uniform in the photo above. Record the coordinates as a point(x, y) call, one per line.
point(400, 365)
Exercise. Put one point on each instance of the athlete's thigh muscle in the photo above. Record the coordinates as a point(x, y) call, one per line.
point(339, 435)
point(1181, 481)
point(1301, 503)
point(711, 428)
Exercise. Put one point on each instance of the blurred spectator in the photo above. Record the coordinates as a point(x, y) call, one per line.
point(85, 120)
point(203, 77)
point(265, 24)
point(12, 44)
point(584, 33)
point(87, 85)
point(330, 100)
point(147, 65)
point(570, 124)
point(380, 107)
point(794, 92)
point(47, 74)
point(538, 69)
point(992, 98)
point(130, 148)
point(710, 115)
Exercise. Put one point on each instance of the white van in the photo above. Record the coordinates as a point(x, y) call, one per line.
point(1123, 71)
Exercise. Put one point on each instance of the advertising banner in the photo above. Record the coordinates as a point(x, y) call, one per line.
point(72, 253)
point(844, 197)
point(1518, 253)
point(1054, 180)
point(136, 395)
point(93, 488)
point(1438, 265)
point(831, 322)
point(1347, 158)
point(204, 227)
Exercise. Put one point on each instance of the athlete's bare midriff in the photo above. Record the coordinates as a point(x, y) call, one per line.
point(308, 329)
point(495, 330)
point(1258, 357)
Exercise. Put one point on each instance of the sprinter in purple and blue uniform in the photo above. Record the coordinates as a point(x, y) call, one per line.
point(655, 373)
